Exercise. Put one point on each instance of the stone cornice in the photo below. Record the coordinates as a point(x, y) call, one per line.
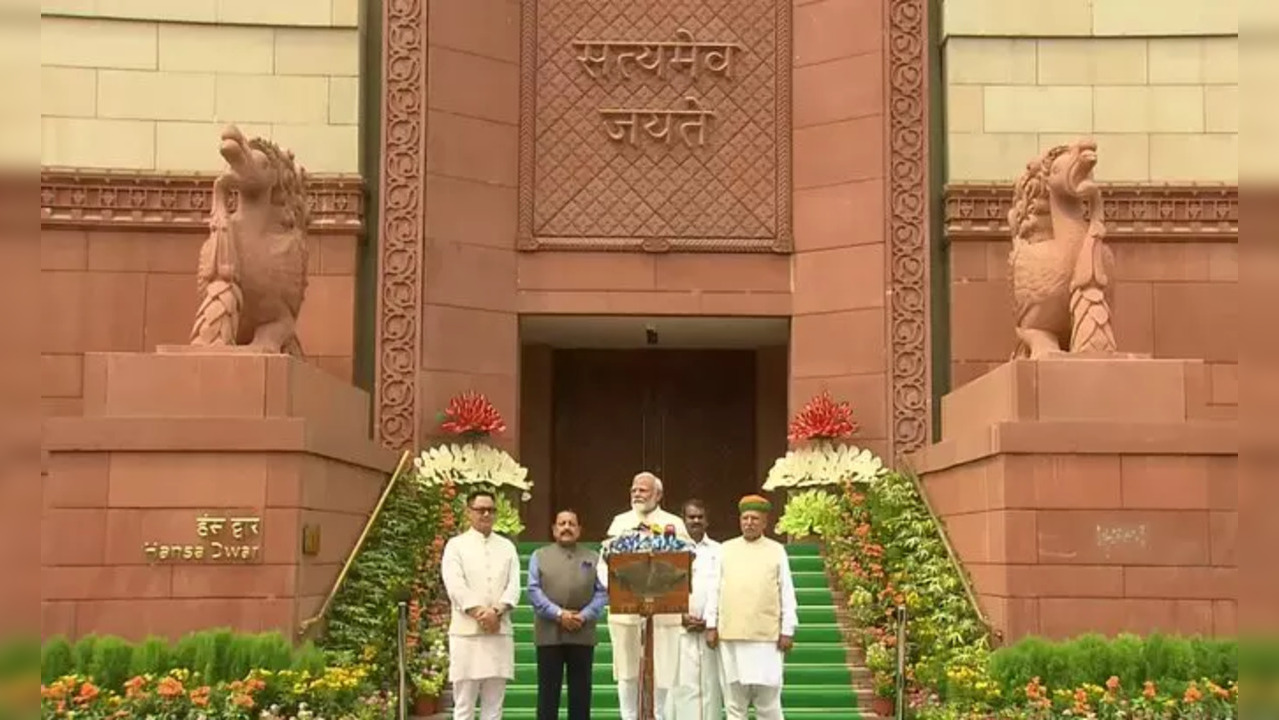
point(98, 200)
point(1145, 212)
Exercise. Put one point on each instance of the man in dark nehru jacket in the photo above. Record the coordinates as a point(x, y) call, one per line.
point(568, 599)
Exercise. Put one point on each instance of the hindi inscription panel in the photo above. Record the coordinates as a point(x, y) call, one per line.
point(656, 125)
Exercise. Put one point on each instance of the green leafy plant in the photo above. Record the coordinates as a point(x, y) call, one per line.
point(399, 561)
point(217, 655)
point(811, 512)
point(887, 552)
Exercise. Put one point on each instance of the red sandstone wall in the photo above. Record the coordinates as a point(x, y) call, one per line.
point(1173, 299)
point(839, 335)
point(1059, 545)
point(129, 291)
point(468, 324)
point(100, 507)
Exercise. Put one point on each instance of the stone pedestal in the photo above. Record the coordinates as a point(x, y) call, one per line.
point(1090, 495)
point(167, 438)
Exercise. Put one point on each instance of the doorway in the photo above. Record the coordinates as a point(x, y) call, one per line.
point(687, 415)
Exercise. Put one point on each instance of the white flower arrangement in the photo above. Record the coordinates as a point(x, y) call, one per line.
point(824, 463)
point(472, 464)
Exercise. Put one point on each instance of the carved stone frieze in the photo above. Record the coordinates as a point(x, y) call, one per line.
point(655, 125)
point(91, 199)
point(401, 222)
point(1148, 212)
point(910, 379)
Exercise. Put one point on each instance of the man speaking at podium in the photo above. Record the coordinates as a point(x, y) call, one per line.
point(624, 630)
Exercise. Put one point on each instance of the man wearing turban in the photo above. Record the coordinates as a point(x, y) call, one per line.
point(751, 615)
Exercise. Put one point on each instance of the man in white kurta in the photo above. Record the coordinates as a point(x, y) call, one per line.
point(624, 631)
point(696, 694)
point(751, 615)
point(482, 576)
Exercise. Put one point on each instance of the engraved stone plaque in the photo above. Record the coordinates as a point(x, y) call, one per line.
point(655, 125)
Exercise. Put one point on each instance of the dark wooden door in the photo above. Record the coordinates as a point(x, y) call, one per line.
point(598, 407)
point(686, 415)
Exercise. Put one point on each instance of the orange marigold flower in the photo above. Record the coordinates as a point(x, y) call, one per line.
point(1148, 690)
point(170, 687)
point(242, 700)
point(1193, 694)
point(1113, 683)
point(1033, 689)
point(88, 691)
point(200, 696)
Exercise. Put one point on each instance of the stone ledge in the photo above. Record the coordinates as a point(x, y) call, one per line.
point(160, 434)
point(1081, 437)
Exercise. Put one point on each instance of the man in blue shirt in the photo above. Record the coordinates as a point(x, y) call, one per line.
point(568, 600)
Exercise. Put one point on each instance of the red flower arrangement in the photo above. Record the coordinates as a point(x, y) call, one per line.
point(822, 419)
point(472, 414)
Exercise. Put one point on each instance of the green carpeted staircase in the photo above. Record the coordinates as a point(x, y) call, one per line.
point(818, 680)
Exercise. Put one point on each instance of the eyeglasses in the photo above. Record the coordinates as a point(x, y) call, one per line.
point(483, 510)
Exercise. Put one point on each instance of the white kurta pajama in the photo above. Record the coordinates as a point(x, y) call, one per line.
point(740, 602)
point(625, 631)
point(480, 571)
point(697, 693)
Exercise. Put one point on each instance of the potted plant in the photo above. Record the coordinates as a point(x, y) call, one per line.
point(880, 663)
point(430, 668)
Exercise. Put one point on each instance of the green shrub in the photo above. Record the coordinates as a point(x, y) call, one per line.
point(151, 657)
point(83, 652)
point(56, 659)
point(112, 658)
point(219, 655)
point(1170, 662)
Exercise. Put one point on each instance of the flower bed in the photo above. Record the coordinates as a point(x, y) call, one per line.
point(890, 553)
point(216, 675)
point(336, 693)
point(1128, 678)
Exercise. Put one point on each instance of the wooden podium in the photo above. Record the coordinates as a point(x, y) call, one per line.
point(648, 584)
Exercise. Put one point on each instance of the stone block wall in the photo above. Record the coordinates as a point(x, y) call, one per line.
point(129, 291)
point(146, 85)
point(1155, 84)
point(1175, 299)
point(1157, 87)
point(1063, 544)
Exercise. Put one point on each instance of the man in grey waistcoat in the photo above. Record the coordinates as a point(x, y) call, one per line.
point(568, 600)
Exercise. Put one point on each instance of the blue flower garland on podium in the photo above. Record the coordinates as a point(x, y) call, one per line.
point(649, 571)
point(647, 539)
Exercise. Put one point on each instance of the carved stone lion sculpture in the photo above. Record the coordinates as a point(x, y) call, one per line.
point(1059, 264)
point(252, 273)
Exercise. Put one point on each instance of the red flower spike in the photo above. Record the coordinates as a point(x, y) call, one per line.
point(472, 414)
point(822, 419)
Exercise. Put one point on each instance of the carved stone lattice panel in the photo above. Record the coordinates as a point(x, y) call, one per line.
point(580, 189)
point(1148, 212)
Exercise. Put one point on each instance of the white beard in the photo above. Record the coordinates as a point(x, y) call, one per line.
point(643, 510)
